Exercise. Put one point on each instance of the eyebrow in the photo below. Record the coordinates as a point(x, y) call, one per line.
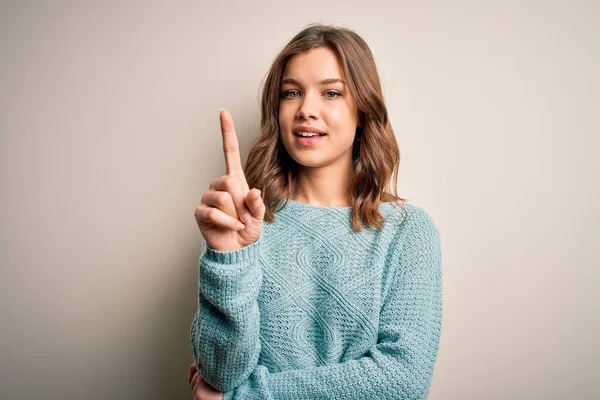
point(323, 82)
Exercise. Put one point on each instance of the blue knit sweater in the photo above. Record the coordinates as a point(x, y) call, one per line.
point(313, 310)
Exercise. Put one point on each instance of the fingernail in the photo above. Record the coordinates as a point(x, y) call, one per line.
point(241, 226)
point(247, 218)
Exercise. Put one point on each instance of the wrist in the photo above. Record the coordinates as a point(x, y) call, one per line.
point(245, 253)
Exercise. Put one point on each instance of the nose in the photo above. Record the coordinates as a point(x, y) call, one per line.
point(308, 107)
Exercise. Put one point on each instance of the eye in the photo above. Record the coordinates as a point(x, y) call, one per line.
point(290, 94)
point(331, 92)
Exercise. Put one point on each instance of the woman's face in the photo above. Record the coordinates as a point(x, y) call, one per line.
point(314, 95)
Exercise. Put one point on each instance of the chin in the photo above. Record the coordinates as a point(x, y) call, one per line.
point(311, 162)
point(305, 161)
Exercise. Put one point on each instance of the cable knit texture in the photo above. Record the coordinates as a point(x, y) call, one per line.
point(313, 310)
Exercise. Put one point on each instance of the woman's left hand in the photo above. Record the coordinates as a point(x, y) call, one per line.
point(200, 389)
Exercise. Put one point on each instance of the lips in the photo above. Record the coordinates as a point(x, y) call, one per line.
point(309, 141)
point(309, 129)
point(299, 135)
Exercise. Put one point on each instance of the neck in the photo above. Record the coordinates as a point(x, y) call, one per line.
point(327, 187)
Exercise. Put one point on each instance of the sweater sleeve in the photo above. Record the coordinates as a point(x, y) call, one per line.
point(400, 365)
point(225, 332)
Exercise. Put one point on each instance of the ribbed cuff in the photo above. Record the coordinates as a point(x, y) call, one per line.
point(247, 253)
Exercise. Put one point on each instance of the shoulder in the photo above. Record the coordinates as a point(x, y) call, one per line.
point(409, 218)
point(414, 255)
point(414, 231)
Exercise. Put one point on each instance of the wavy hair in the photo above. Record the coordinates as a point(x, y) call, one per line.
point(375, 152)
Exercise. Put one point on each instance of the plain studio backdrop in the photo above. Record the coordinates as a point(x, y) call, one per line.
point(110, 135)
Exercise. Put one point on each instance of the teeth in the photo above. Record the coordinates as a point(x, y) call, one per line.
point(307, 134)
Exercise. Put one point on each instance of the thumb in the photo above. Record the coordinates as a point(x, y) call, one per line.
point(255, 204)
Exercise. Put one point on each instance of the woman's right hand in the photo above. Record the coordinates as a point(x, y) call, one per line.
point(220, 214)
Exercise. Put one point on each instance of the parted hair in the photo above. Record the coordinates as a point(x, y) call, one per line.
point(375, 152)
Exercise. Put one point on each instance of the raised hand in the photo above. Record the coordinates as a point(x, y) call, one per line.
point(221, 214)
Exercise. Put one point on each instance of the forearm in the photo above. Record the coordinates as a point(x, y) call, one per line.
point(379, 375)
point(225, 333)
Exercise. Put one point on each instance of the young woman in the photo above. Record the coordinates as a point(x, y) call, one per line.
point(339, 294)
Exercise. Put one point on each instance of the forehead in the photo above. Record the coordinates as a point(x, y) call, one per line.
point(313, 65)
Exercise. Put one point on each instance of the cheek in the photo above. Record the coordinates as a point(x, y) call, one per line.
point(284, 116)
point(343, 118)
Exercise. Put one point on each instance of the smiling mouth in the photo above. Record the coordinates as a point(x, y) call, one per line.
point(311, 135)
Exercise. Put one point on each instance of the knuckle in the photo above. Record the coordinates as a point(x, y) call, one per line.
point(230, 148)
point(214, 183)
point(210, 214)
point(229, 182)
point(203, 199)
point(223, 199)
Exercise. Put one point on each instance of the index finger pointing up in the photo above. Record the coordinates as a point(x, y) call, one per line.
point(230, 144)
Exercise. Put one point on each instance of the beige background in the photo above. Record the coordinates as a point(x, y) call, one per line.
point(110, 135)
